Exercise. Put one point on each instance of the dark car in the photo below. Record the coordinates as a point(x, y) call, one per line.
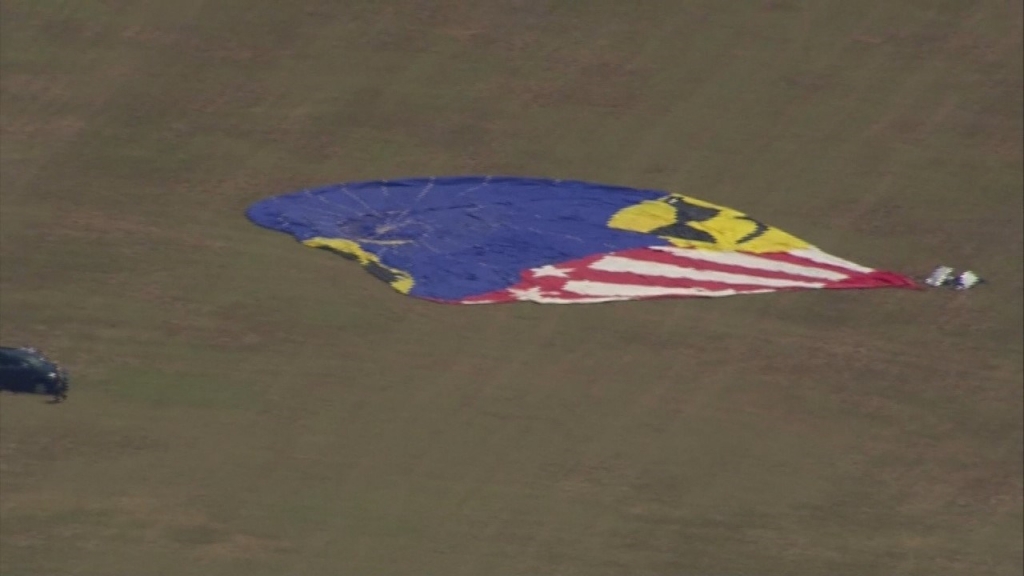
point(28, 370)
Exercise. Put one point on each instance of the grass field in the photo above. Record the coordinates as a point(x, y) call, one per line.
point(246, 406)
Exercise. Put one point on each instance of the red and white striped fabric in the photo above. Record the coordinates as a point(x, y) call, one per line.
point(670, 272)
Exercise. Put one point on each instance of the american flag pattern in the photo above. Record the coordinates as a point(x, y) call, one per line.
point(671, 272)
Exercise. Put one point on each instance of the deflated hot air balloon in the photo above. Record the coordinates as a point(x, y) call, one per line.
point(481, 240)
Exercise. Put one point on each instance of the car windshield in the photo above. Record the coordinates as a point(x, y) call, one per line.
point(36, 362)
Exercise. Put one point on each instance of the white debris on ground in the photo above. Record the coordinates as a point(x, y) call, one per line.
point(967, 280)
point(946, 276)
point(941, 276)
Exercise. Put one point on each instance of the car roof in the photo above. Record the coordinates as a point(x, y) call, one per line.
point(23, 352)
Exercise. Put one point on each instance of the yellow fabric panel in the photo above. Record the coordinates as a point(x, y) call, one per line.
point(725, 228)
point(643, 217)
point(398, 279)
